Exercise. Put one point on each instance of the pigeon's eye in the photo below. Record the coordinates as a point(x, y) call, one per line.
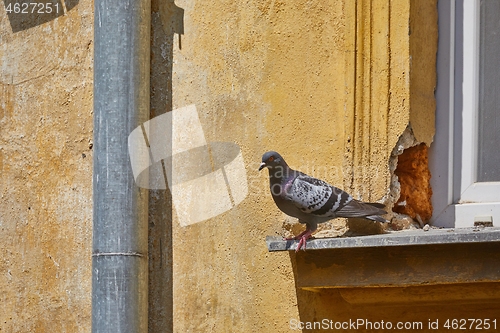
point(270, 159)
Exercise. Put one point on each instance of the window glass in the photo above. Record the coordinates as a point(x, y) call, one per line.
point(488, 167)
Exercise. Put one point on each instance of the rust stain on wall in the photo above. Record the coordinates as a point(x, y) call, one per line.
point(6, 100)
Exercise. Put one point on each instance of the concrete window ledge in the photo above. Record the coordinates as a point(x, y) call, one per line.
point(397, 238)
point(406, 259)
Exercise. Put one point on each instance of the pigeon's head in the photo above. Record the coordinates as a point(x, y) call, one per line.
point(271, 159)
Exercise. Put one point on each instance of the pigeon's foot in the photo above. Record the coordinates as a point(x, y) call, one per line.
point(303, 238)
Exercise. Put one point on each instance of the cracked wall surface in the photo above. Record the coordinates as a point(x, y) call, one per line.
point(414, 179)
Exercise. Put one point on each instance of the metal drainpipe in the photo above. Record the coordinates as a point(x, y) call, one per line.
point(120, 215)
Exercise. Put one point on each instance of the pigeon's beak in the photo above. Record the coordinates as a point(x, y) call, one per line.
point(262, 166)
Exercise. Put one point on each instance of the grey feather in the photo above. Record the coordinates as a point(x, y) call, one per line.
point(357, 208)
point(316, 197)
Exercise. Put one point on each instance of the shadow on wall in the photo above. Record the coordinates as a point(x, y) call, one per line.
point(166, 24)
point(25, 14)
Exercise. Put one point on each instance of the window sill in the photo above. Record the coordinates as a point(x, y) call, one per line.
point(397, 238)
point(398, 259)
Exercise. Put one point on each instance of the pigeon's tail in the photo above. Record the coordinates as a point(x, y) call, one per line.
point(367, 210)
point(376, 218)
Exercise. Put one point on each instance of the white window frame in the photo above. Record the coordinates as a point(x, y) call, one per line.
point(458, 198)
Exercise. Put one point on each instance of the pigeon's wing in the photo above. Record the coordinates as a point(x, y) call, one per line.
point(357, 208)
point(314, 196)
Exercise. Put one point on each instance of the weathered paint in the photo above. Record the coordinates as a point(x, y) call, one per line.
point(46, 173)
point(326, 83)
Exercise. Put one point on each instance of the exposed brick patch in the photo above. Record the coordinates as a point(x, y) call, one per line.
point(414, 178)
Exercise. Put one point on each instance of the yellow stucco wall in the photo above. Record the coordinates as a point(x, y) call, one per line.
point(325, 83)
point(423, 32)
point(46, 173)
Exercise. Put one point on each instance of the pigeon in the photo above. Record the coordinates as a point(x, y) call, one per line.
point(312, 200)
